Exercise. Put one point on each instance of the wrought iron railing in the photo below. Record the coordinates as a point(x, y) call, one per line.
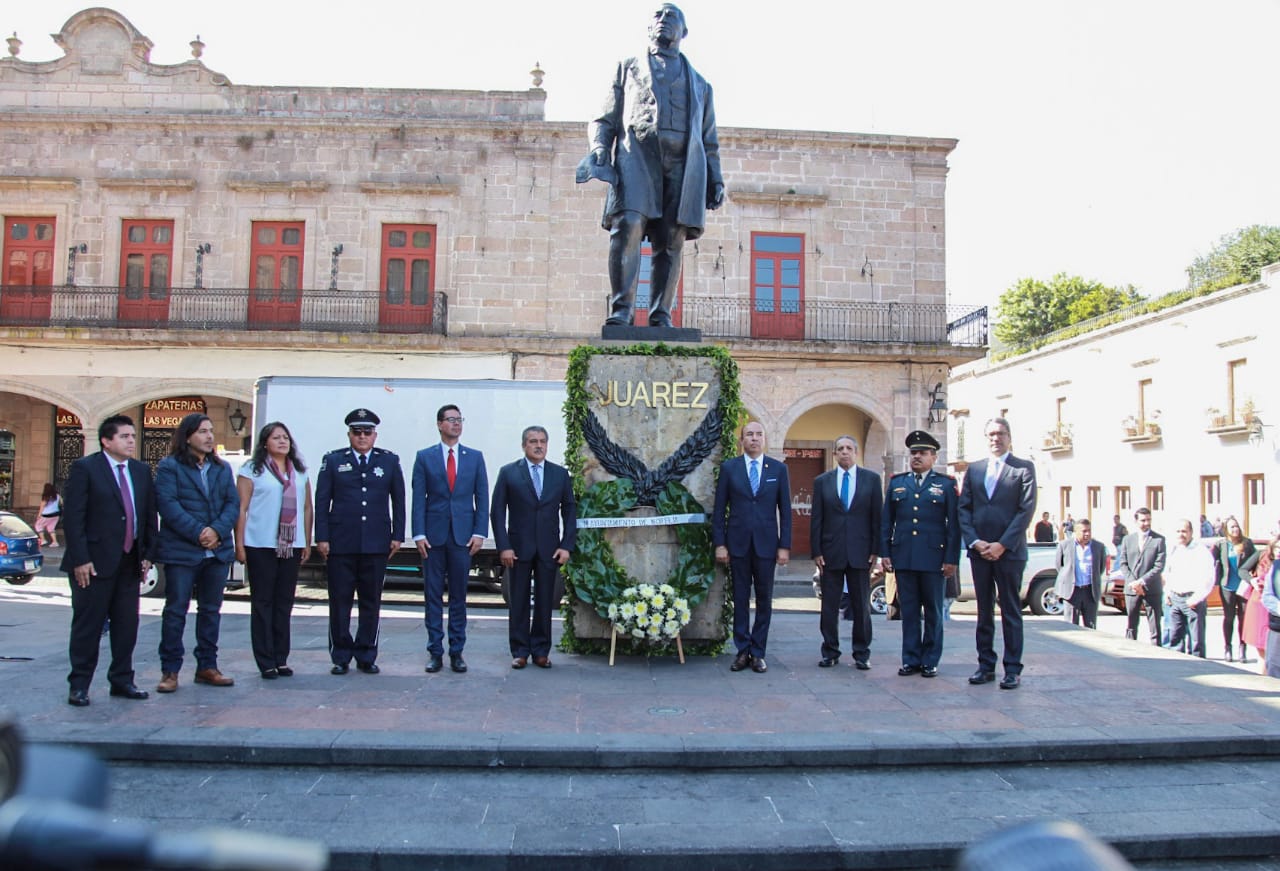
point(193, 308)
point(839, 321)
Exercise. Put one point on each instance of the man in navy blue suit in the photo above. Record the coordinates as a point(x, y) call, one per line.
point(844, 532)
point(450, 522)
point(534, 527)
point(359, 510)
point(109, 512)
point(996, 505)
point(751, 531)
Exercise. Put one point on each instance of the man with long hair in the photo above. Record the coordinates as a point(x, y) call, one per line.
point(199, 505)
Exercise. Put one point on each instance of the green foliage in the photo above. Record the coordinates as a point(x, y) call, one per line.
point(1238, 258)
point(1034, 308)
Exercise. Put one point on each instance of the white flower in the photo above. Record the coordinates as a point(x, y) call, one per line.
point(658, 603)
point(642, 608)
point(638, 633)
point(646, 590)
point(629, 593)
point(667, 590)
point(627, 611)
point(672, 628)
point(655, 631)
point(643, 620)
point(681, 604)
point(613, 612)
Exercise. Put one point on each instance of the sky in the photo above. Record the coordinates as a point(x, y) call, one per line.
point(1112, 139)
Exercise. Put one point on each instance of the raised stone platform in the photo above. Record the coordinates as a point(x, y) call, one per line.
point(615, 333)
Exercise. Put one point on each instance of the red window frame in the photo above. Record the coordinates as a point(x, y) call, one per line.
point(146, 270)
point(407, 276)
point(276, 250)
point(777, 285)
point(644, 290)
point(28, 268)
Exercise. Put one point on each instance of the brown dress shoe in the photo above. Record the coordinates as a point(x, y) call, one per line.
point(213, 677)
point(519, 662)
point(542, 661)
point(168, 682)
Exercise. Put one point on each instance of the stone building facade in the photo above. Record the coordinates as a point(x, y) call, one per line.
point(171, 235)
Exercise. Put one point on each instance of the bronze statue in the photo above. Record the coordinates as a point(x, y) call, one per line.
point(655, 144)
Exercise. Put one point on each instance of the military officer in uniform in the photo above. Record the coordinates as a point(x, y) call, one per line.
point(359, 521)
point(920, 540)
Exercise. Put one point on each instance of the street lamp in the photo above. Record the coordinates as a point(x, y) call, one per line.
point(237, 421)
point(937, 404)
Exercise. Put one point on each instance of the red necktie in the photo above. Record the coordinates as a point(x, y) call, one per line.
point(451, 470)
point(126, 496)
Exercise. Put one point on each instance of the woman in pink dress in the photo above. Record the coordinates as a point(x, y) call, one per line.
point(1258, 568)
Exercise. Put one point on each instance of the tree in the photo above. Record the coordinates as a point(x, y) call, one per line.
point(1033, 308)
point(1238, 258)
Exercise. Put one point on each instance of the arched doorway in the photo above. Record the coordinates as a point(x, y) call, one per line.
point(808, 452)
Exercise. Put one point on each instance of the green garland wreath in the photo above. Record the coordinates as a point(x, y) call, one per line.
point(594, 575)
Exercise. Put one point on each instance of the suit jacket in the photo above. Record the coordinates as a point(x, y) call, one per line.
point(436, 509)
point(846, 538)
point(742, 521)
point(1005, 515)
point(920, 527)
point(185, 509)
point(1065, 562)
point(351, 506)
point(1145, 564)
point(627, 129)
point(93, 517)
point(534, 527)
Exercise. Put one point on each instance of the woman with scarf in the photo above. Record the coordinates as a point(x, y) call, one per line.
point(273, 537)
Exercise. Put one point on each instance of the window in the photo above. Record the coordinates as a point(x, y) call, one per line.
point(1095, 501)
point(146, 258)
point(1155, 498)
point(28, 264)
point(1235, 390)
point(1123, 500)
point(408, 276)
point(1255, 497)
point(1144, 403)
point(777, 286)
point(275, 274)
point(1064, 502)
point(644, 290)
point(1210, 495)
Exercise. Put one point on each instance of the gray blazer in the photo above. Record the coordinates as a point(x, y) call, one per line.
point(1145, 564)
point(1065, 562)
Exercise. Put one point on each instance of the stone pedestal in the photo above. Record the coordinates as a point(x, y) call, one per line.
point(648, 407)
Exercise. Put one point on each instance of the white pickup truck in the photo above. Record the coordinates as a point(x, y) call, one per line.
point(1037, 582)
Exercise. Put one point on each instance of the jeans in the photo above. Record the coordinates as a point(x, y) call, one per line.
point(206, 581)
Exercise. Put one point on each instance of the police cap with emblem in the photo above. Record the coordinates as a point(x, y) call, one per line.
point(362, 417)
point(920, 440)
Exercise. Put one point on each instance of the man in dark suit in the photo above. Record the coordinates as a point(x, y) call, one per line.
point(656, 136)
point(1080, 562)
point(844, 532)
point(450, 522)
point(1142, 558)
point(534, 527)
point(751, 531)
point(109, 517)
point(359, 510)
point(920, 544)
point(996, 504)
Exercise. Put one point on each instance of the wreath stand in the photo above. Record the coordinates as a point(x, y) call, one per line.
point(613, 644)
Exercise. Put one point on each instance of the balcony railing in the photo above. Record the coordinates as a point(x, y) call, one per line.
point(194, 308)
point(839, 321)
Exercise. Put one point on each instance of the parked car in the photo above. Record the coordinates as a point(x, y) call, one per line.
point(20, 556)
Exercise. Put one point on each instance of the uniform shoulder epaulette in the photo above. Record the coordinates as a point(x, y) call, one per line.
point(377, 450)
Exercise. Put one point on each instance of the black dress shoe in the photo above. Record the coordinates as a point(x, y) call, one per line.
point(1010, 682)
point(78, 698)
point(908, 670)
point(128, 691)
point(337, 669)
point(457, 663)
point(827, 662)
point(929, 671)
point(284, 671)
point(861, 666)
point(741, 661)
point(370, 668)
point(433, 664)
point(270, 673)
point(981, 676)
point(758, 665)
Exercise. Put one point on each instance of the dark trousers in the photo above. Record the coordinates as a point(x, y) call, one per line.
point(538, 576)
point(448, 565)
point(667, 240)
point(207, 581)
point(1233, 607)
point(1000, 580)
point(917, 591)
point(1081, 608)
point(752, 573)
point(833, 581)
point(272, 584)
point(1187, 621)
point(355, 577)
point(1154, 597)
point(114, 596)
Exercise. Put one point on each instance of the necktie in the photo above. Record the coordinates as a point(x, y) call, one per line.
point(451, 470)
point(537, 480)
point(364, 461)
point(919, 479)
point(755, 477)
point(844, 491)
point(993, 475)
point(126, 496)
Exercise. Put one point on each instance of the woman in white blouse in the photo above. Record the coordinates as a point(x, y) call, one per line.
point(273, 536)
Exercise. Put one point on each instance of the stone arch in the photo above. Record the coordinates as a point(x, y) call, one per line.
point(57, 398)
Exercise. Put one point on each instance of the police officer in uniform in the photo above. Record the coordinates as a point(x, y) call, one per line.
point(920, 532)
point(357, 534)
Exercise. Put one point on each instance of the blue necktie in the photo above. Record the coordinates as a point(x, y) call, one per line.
point(537, 480)
point(844, 490)
point(755, 477)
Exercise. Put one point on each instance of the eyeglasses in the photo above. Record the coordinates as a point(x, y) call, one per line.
point(453, 419)
point(362, 430)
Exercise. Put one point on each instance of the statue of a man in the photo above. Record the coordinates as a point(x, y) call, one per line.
point(657, 133)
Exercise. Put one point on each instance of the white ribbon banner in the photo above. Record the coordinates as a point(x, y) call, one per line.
point(662, 520)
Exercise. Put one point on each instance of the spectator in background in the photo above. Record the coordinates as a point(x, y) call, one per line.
point(1228, 555)
point(1257, 569)
point(1068, 526)
point(1271, 601)
point(50, 511)
point(1044, 530)
point(1118, 531)
point(1188, 580)
point(1207, 529)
